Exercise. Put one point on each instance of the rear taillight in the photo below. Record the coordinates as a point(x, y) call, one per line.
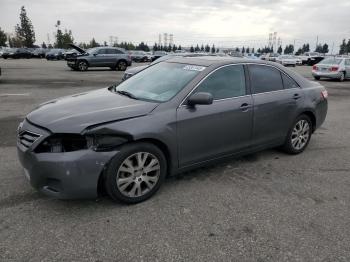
point(314, 67)
point(324, 94)
point(334, 68)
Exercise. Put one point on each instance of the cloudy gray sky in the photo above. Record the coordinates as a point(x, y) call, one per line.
point(222, 22)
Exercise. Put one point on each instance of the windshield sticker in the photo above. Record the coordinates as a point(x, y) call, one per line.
point(194, 68)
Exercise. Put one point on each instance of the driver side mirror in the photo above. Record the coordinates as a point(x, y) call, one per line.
point(200, 98)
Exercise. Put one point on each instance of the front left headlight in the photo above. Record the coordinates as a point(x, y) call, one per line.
point(60, 143)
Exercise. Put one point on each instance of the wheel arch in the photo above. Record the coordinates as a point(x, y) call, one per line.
point(312, 117)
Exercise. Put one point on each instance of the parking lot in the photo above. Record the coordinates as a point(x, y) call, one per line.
point(267, 206)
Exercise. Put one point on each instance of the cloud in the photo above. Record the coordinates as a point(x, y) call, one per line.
point(222, 22)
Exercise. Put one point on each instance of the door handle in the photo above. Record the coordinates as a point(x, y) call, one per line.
point(296, 96)
point(244, 107)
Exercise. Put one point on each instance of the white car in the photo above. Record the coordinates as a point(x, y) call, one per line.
point(286, 60)
point(333, 68)
point(298, 60)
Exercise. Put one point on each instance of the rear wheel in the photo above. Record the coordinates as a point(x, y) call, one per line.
point(83, 66)
point(135, 173)
point(299, 135)
point(317, 77)
point(121, 65)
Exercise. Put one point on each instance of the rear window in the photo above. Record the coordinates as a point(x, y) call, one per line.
point(331, 61)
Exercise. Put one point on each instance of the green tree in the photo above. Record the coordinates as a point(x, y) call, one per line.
point(179, 48)
point(174, 48)
point(280, 50)
point(25, 30)
point(325, 48)
point(207, 48)
point(247, 50)
point(43, 45)
point(243, 50)
point(348, 47)
point(63, 39)
point(202, 48)
point(93, 43)
point(213, 49)
point(3, 38)
point(197, 49)
point(192, 49)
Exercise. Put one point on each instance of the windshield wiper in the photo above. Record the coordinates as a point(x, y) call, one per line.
point(126, 93)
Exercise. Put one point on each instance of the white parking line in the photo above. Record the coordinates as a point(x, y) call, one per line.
point(24, 94)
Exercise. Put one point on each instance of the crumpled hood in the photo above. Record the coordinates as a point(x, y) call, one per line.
point(74, 113)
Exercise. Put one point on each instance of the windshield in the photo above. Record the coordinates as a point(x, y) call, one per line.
point(331, 61)
point(159, 83)
point(161, 59)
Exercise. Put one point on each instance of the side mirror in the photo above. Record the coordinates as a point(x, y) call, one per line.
point(200, 98)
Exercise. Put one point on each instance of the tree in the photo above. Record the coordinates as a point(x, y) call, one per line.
point(213, 49)
point(3, 38)
point(243, 50)
point(192, 49)
point(319, 48)
point(259, 51)
point(43, 45)
point(174, 48)
point(25, 30)
point(247, 50)
point(155, 47)
point(325, 49)
point(179, 48)
point(197, 49)
point(202, 48)
point(253, 50)
point(63, 39)
point(348, 47)
point(289, 49)
point(93, 43)
point(299, 52)
point(207, 48)
point(280, 50)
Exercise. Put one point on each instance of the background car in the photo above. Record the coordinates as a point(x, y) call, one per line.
point(139, 56)
point(286, 60)
point(298, 60)
point(158, 54)
point(16, 53)
point(272, 57)
point(71, 53)
point(113, 57)
point(311, 58)
point(40, 52)
point(333, 68)
point(55, 54)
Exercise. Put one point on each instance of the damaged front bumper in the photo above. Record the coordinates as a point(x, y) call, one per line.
point(66, 175)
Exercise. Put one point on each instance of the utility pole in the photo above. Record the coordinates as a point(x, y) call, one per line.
point(316, 43)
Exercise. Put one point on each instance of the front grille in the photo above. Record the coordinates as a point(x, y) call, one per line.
point(27, 138)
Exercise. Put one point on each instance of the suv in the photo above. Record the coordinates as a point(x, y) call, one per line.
point(16, 53)
point(115, 58)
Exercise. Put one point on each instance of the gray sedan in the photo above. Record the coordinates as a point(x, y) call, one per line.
point(171, 117)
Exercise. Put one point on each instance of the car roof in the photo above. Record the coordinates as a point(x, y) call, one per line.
point(217, 61)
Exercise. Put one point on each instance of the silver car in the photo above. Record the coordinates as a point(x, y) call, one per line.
point(334, 68)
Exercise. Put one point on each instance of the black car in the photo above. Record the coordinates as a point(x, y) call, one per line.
point(55, 54)
point(17, 53)
point(158, 54)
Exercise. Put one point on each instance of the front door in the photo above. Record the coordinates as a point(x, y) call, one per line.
point(209, 131)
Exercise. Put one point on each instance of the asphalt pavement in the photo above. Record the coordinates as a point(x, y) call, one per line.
point(267, 206)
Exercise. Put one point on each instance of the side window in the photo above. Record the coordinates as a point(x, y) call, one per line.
point(102, 51)
point(226, 82)
point(265, 79)
point(118, 51)
point(111, 51)
point(288, 82)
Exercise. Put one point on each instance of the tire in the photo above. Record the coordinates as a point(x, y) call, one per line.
point(342, 77)
point(298, 136)
point(122, 65)
point(83, 65)
point(317, 77)
point(138, 184)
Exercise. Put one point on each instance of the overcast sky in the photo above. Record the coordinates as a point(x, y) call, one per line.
point(222, 22)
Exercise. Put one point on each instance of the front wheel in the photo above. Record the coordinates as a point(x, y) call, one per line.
point(317, 77)
point(83, 66)
point(299, 135)
point(342, 77)
point(135, 173)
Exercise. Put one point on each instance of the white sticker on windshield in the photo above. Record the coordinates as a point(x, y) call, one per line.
point(194, 68)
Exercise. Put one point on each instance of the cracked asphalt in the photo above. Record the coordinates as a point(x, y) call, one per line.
point(268, 206)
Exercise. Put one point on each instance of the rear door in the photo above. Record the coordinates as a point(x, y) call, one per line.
point(100, 58)
point(209, 131)
point(276, 99)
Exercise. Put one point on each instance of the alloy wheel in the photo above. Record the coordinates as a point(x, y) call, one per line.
point(82, 66)
point(138, 174)
point(122, 66)
point(300, 134)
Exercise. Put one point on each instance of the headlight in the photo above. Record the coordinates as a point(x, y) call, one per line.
point(59, 143)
